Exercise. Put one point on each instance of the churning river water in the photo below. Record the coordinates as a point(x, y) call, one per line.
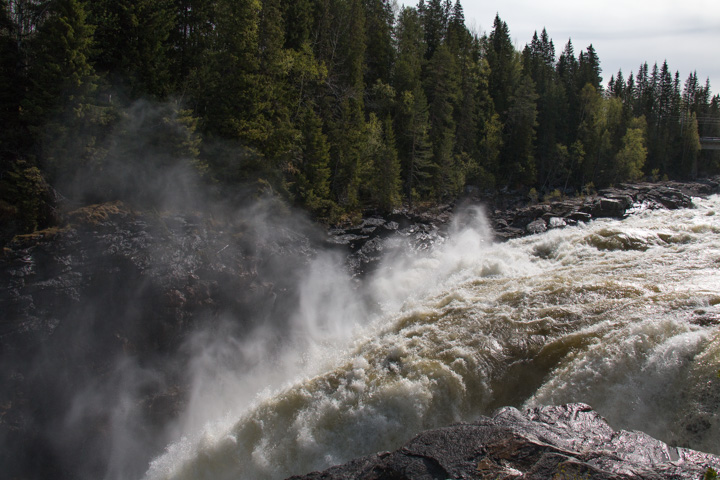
point(622, 315)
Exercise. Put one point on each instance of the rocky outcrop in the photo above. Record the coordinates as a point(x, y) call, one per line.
point(113, 294)
point(408, 230)
point(510, 216)
point(513, 217)
point(563, 442)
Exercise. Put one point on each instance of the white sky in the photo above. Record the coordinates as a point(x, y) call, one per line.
point(624, 33)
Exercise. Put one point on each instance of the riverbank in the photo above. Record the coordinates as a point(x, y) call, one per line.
point(510, 215)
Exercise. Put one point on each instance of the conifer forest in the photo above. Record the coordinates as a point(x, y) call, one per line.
point(337, 106)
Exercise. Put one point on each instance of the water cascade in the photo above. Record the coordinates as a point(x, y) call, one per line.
point(622, 315)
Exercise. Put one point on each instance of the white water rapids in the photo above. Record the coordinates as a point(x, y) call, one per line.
point(622, 315)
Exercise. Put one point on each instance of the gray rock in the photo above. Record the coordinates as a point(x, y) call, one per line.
point(536, 226)
point(570, 441)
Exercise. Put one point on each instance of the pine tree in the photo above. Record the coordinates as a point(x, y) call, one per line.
point(12, 81)
point(133, 45)
point(379, 53)
point(434, 17)
point(504, 66)
point(568, 110)
point(589, 69)
point(519, 134)
point(299, 22)
point(61, 69)
point(441, 86)
point(313, 171)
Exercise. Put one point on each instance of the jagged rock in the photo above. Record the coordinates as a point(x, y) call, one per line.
point(570, 441)
point(536, 226)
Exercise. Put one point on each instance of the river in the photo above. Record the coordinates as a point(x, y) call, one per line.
point(622, 315)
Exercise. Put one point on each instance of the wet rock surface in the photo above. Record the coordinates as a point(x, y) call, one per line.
point(560, 442)
point(513, 217)
point(102, 308)
point(510, 216)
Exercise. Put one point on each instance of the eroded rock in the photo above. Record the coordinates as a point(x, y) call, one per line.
point(570, 441)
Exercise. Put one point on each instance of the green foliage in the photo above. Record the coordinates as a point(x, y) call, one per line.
point(132, 43)
point(312, 171)
point(60, 70)
point(24, 199)
point(519, 135)
point(710, 474)
point(337, 104)
point(631, 157)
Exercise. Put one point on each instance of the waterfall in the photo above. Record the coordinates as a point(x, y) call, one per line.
point(622, 315)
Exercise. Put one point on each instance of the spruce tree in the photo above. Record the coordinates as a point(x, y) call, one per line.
point(434, 16)
point(345, 105)
point(441, 85)
point(227, 97)
point(60, 70)
point(299, 22)
point(12, 80)
point(589, 69)
point(133, 44)
point(518, 166)
point(569, 109)
point(489, 133)
point(312, 183)
point(379, 30)
point(504, 66)
point(60, 107)
point(411, 118)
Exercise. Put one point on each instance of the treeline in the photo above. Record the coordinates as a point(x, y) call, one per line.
point(339, 105)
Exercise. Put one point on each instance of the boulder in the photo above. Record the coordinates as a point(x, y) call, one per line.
point(609, 208)
point(570, 441)
point(536, 226)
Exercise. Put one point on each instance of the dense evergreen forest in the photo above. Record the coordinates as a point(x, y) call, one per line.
point(339, 106)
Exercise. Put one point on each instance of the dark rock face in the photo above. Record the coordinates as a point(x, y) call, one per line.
point(104, 306)
point(564, 442)
point(410, 231)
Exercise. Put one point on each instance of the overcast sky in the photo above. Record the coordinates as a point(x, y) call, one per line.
point(624, 33)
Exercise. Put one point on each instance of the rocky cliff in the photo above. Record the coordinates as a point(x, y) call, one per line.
point(97, 314)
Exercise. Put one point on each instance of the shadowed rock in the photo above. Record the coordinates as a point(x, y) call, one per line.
point(562, 442)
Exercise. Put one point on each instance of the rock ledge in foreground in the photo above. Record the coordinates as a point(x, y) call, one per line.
point(571, 441)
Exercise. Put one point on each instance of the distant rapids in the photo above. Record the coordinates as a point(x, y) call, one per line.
point(622, 315)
